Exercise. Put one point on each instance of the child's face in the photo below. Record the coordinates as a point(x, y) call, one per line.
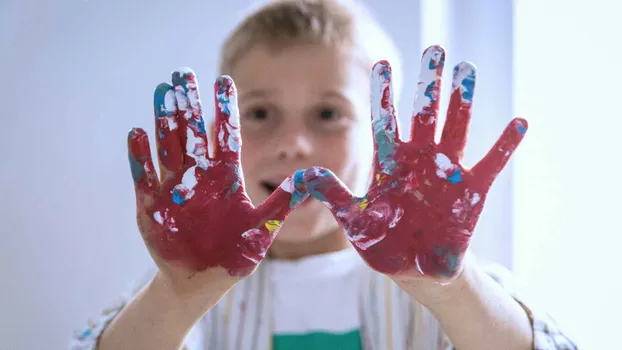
point(301, 107)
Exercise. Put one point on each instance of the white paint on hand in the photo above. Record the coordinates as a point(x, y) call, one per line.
point(379, 116)
point(363, 242)
point(189, 181)
point(475, 199)
point(253, 234)
point(426, 77)
point(375, 213)
point(443, 165)
point(172, 225)
point(466, 72)
point(458, 207)
point(196, 148)
point(288, 185)
point(157, 216)
point(193, 98)
point(234, 142)
point(184, 70)
point(417, 265)
point(170, 107)
point(398, 215)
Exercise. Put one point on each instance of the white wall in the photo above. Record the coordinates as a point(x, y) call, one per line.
point(568, 189)
point(78, 74)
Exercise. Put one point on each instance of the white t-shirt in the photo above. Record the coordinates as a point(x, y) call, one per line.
point(328, 301)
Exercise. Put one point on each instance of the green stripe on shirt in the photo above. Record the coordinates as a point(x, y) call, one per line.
point(318, 341)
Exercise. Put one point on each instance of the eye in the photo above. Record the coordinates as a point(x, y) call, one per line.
point(258, 114)
point(329, 114)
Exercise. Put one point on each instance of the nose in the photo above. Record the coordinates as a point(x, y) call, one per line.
point(293, 145)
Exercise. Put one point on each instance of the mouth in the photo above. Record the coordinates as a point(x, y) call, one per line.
point(269, 186)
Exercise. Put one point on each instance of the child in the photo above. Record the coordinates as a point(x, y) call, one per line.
point(302, 70)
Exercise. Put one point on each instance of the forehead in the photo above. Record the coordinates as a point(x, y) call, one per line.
point(314, 67)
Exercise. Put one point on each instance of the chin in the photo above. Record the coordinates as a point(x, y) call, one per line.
point(305, 224)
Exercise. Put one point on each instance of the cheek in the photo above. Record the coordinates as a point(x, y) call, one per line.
point(251, 156)
point(349, 156)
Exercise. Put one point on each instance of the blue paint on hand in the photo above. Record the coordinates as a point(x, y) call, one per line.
point(522, 129)
point(385, 72)
point(236, 184)
point(87, 333)
point(225, 108)
point(177, 197)
point(159, 100)
point(136, 167)
point(181, 79)
point(386, 149)
point(199, 125)
point(434, 64)
point(469, 87)
point(313, 185)
point(455, 177)
point(202, 126)
point(429, 91)
point(450, 259)
point(298, 195)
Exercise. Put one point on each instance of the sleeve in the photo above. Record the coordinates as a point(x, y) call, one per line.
point(87, 337)
point(547, 335)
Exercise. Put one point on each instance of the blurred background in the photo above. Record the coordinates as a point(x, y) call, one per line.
point(78, 74)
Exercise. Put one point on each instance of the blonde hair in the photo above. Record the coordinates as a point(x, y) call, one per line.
point(279, 24)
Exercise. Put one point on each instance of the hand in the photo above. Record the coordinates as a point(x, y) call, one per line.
point(422, 205)
point(196, 219)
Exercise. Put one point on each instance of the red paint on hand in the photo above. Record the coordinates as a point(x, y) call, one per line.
point(422, 206)
point(197, 215)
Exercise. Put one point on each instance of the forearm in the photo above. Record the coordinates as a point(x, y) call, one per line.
point(477, 313)
point(156, 319)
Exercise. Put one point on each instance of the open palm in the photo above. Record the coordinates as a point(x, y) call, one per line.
point(423, 204)
point(197, 215)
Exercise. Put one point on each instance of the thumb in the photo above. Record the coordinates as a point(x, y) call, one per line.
point(289, 195)
point(326, 187)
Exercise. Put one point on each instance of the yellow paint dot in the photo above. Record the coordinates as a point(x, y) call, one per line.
point(273, 225)
point(364, 203)
point(379, 178)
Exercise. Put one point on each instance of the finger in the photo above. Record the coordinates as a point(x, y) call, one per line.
point(144, 175)
point(289, 195)
point(168, 141)
point(425, 112)
point(384, 124)
point(227, 121)
point(254, 246)
point(256, 241)
point(192, 125)
point(326, 187)
point(456, 127)
point(491, 165)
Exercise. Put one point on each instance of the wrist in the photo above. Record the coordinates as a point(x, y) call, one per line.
point(432, 293)
point(185, 306)
point(157, 317)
